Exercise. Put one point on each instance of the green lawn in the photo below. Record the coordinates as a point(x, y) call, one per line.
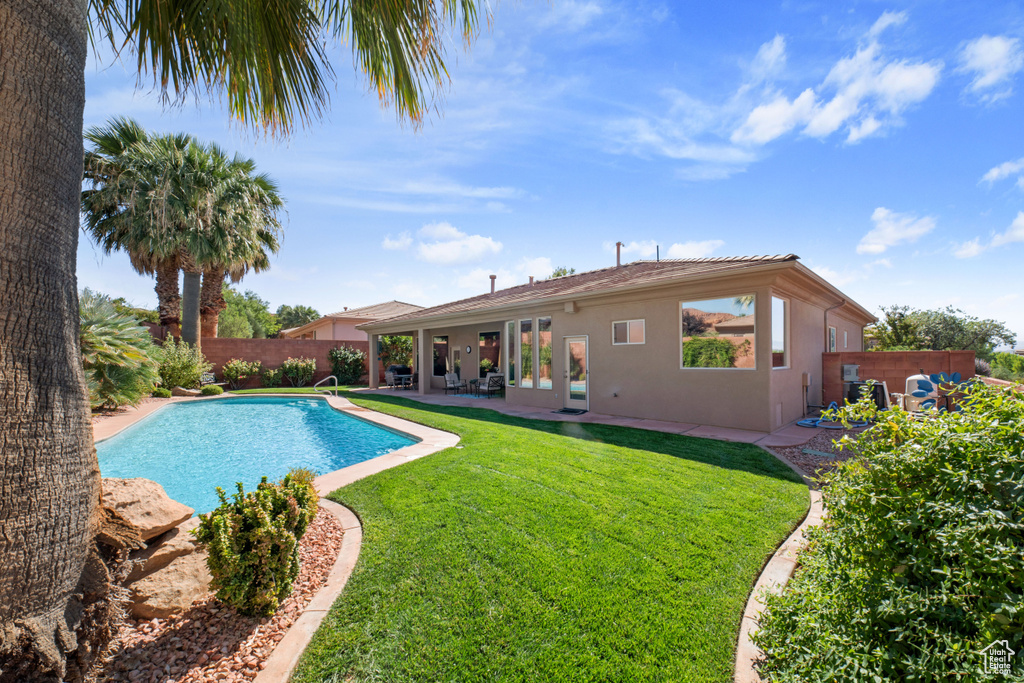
point(289, 390)
point(545, 551)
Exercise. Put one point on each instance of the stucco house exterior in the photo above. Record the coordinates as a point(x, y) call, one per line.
point(341, 326)
point(732, 342)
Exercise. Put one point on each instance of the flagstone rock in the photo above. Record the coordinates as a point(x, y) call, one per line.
point(145, 505)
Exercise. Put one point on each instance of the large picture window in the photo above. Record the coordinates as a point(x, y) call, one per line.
point(510, 353)
point(440, 356)
point(490, 351)
point(544, 380)
point(718, 333)
point(526, 354)
point(780, 324)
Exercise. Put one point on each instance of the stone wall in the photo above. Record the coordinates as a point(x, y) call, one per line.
point(891, 367)
point(273, 352)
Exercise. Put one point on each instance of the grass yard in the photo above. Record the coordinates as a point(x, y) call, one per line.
point(547, 551)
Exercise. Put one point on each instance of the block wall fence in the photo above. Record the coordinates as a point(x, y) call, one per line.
point(891, 367)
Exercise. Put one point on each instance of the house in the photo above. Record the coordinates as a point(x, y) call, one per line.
point(341, 326)
point(732, 342)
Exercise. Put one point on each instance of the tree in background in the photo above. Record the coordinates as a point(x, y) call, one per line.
point(562, 271)
point(246, 316)
point(395, 350)
point(295, 316)
point(947, 329)
point(270, 66)
point(145, 315)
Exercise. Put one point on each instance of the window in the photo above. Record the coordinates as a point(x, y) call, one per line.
point(831, 338)
point(846, 340)
point(544, 354)
point(780, 323)
point(628, 332)
point(457, 362)
point(510, 353)
point(718, 333)
point(490, 350)
point(526, 354)
point(440, 356)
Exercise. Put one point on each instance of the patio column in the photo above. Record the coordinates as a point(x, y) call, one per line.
point(425, 362)
point(373, 362)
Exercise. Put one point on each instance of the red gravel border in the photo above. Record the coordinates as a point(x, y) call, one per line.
point(211, 642)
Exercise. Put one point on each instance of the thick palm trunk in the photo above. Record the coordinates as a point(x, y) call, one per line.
point(211, 300)
point(190, 328)
point(168, 295)
point(49, 477)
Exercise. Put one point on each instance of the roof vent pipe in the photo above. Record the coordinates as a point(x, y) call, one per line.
point(531, 281)
point(618, 254)
point(657, 253)
point(493, 278)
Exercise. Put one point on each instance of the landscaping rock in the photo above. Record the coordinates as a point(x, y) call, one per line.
point(145, 505)
point(164, 549)
point(172, 589)
point(181, 391)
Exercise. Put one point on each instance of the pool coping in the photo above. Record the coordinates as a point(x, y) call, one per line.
point(773, 577)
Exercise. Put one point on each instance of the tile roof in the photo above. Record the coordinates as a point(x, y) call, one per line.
point(637, 273)
point(388, 309)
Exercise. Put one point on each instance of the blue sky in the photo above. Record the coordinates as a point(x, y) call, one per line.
point(881, 142)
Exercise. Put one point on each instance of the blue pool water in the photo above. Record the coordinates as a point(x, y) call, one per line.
point(191, 448)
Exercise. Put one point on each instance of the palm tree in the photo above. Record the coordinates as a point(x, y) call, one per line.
point(123, 208)
point(266, 58)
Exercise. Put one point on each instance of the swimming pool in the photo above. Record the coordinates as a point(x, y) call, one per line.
point(191, 448)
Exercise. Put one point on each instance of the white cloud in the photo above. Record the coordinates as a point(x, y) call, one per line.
point(1003, 170)
point(1015, 233)
point(479, 279)
point(892, 228)
point(450, 245)
point(539, 267)
point(642, 248)
point(694, 249)
point(770, 58)
point(570, 15)
point(993, 61)
point(869, 92)
point(835, 277)
point(403, 241)
point(968, 249)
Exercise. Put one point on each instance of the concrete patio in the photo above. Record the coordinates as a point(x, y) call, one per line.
point(790, 435)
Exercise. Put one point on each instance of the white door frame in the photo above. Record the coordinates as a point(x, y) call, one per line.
point(566, 401)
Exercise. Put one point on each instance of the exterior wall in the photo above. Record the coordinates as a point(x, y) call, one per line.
point(273, 352)
point(346, 331)
point(892, 367)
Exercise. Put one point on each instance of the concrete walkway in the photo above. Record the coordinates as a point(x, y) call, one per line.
point(790, 435)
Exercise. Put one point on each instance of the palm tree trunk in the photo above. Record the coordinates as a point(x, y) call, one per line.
point(49, 477)
point(190, 328)
point(168, 296)
point(211, 300)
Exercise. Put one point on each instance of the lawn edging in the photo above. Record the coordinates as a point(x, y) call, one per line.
point(282, 661)
point(776, 573)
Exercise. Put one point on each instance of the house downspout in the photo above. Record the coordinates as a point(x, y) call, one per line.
point(825, 318)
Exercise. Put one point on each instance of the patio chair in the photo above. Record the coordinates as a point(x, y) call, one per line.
point(494, 384)
point(453, 383)
point(389, 380)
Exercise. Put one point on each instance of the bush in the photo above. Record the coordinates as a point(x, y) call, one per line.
point(919, 564)
point(982, 367)
point(236, 371)
point(299, 371)
point(253, 541)
point(708, 352)
point(211, 390)
point(347, 364)
point(1007, 366)
point(271, 378)
point(118, 354)
point(181, 365)
point(160, 392)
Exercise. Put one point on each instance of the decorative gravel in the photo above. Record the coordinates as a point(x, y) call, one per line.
point(814, 466)
point(211, 642)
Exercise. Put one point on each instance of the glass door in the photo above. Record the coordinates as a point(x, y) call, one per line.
point(457, 361)
point(576, 374)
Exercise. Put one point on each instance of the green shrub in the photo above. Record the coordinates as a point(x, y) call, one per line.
point(347, 364)
point(118, 354)
point(181, 365)
point(253, 541)
point(299, 371)
point(211, 390)
point(1008, 366)
point(301, 475)
point(919, 564)
point(236, 371)
point(161, 392)
point(271, 378)
point(708, 352)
